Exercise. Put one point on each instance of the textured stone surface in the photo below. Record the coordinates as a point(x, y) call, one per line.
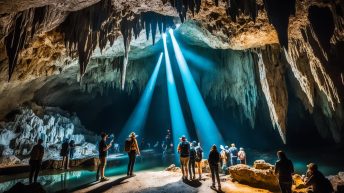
point(262, 178)
point(18, 136)
point(315, 82)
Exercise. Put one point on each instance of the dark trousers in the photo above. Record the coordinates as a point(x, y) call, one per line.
point(35, 166)
point(214, 169)
point(285, 187)
point(234, 160)
point(132, 157)
point(192, 168)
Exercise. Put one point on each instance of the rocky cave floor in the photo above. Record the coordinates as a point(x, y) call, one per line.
point(166, 181)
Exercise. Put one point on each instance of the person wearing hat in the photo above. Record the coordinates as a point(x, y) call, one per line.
point(36, 156)
point(284, 168)
point(184, 153)
point(319, 183)
point(103, 151)
point(192, 160)
point(214, 160)
point(133, 151)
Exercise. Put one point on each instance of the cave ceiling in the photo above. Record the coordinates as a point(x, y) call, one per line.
point(83, 43)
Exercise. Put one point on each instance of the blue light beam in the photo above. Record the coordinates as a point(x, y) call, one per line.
point(206, 129)
point(138, 117)
point(177, 118)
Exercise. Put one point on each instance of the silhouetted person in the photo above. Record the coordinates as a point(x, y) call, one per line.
point(36, 156)
point(234, 154)
point(319, 183)
point(198, 159)
point(192, 160)
point(65, 154)
point(72, 149)
point(242, 156)
point(164, 150)
point(103, 152)
point(184, 153)
point(214, 160)
point(133, 151)
point(284, 169)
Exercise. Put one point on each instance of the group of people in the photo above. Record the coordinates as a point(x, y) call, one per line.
point(231, 156)
point(67, 152)
point(191, 155)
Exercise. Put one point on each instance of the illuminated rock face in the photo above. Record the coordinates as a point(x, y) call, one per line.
point(53, 125)
point(309, 57)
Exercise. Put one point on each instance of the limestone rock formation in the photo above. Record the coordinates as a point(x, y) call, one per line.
point(262, 177)
point(286, 51)
point(53, 125)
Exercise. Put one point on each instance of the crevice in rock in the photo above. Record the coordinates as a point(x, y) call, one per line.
point(322, 23)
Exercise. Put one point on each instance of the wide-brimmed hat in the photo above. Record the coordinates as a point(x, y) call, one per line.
point(312, 166)
point(132, 134)
point(183, 138)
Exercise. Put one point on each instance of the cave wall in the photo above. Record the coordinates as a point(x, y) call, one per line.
point(290, 60)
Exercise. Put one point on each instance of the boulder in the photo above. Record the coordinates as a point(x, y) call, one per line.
point(337, 181)
point(262, 165)
point(260, 178)
point(173, 168)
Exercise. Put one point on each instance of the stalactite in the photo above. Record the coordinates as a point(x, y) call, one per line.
point(85, 29)
point(26, 24)
point(278, 14)
point(246, 7)
point(183, 6)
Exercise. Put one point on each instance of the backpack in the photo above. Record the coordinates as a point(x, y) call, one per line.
point(234, 151)
point(184, 149)
point(127, 145)
point(198, 154)
point(192, 153)
point(241, 155)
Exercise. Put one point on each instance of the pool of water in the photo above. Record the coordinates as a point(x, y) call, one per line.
point(330, 162)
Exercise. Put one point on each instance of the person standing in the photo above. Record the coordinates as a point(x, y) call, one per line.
point(234, 154)
point(35, 162)
point(192, 160)
point(132, 150)
point(242, 156)
point(184, 153)
point(214, 160)
point(284, 169)
point(198, 159)
point(225, 157)
point(72, 149)
point(103, 151)
point(65, 154)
